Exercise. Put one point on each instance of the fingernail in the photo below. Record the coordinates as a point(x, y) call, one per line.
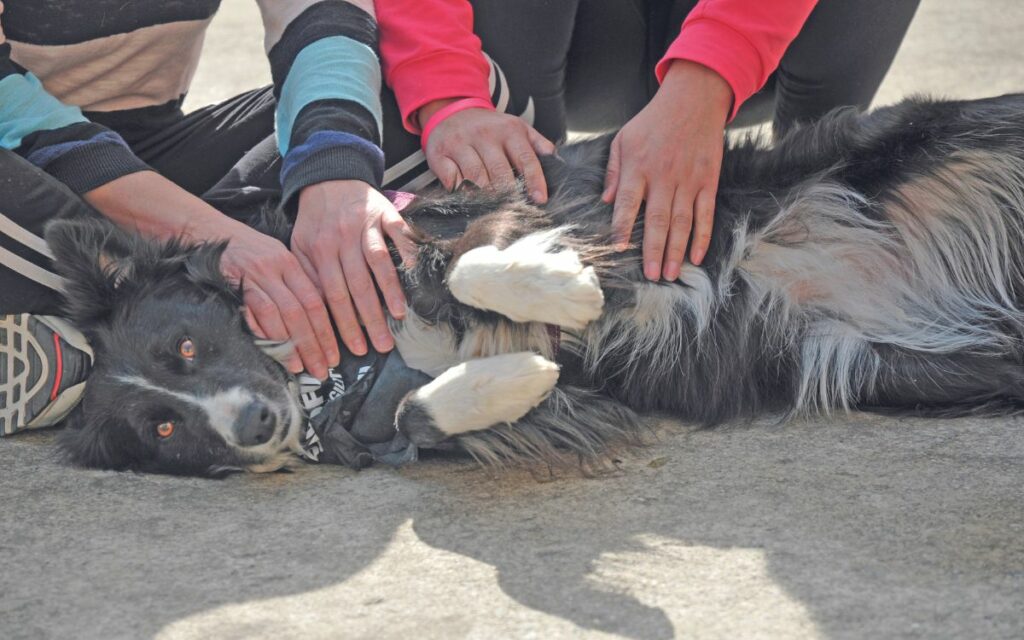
point(383, 342)
point(651, 270)
point(359, 348)
point(671, 270)
point(537, 196)
point(397, 306)
point(697, 257)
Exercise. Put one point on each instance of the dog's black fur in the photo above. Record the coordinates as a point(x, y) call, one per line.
point(136, 300)
point(866, 261)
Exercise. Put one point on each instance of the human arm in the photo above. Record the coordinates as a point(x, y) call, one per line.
point(97, 164)
point(327, 82)
point(54, 136)
point(669, 155)
point(432, 59)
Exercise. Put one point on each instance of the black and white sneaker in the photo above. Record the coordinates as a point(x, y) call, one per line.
point(44, 362)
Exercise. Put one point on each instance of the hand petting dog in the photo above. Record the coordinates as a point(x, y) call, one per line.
point(339, 239)
point(281, 302)
point(485, 147)
point(670, 155)
point(342, 226)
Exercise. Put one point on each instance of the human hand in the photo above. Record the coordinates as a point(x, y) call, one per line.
point(485, 147)
point(670, 155)
point(339, 239)
point(281, 302)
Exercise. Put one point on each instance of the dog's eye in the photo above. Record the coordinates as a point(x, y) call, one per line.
point(165, 429)
point(187, 348)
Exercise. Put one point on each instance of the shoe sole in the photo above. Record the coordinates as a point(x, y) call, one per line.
point(32, 349)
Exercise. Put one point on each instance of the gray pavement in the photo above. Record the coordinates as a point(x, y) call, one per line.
point(852, 527)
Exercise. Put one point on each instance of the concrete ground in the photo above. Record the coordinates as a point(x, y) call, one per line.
point(856, 527)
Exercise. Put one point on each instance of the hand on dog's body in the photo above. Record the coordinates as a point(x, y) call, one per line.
point(339, 239)
point(487, 148)
point(669, 156)
point(280, 300)
point(338, 252)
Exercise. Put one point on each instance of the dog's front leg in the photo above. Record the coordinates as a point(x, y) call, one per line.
point(535, 279)
point(476, 395)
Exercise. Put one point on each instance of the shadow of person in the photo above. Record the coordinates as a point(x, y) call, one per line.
point(864, 526)
point(104, 554)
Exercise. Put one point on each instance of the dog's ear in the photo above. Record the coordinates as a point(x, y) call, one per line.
point(94, 257)
point(109, 443)
point(202, 266)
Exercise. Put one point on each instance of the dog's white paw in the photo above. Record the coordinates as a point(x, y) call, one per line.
point(526, 283)
point(476, 395)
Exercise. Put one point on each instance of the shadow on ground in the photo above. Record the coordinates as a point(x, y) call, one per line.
point(865, 526)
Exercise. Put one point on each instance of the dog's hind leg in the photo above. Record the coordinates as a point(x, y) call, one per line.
point(476, 395)
point(946, 384)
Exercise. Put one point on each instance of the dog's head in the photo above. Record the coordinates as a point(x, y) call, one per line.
point(180, 384)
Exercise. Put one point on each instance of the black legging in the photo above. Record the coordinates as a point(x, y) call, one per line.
point(589, 63)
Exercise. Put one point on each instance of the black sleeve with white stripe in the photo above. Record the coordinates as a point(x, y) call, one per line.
point(56, 137)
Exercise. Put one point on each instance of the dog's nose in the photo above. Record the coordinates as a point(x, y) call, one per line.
point(255, 424)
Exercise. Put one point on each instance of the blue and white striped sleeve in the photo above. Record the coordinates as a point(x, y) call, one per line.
point(327, 82)
point(56, 137)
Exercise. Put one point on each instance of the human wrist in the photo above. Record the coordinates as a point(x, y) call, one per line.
point(424, 113)
point(330, 156)
point(441, 110)
point(333, 195)
point(692, 85)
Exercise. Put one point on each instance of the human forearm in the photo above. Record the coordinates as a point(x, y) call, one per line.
point(429, 52)
point(326, 76)
point(742, 40)
point(54, 136)
point(693, 88)
point(153, 206)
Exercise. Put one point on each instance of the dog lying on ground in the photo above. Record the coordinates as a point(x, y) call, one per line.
point(869, 261)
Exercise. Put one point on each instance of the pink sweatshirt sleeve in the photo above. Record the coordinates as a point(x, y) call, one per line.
point(741, 40)
point(429, 52)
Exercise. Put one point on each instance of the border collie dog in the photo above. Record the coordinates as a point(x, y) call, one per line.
point(871, 261)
